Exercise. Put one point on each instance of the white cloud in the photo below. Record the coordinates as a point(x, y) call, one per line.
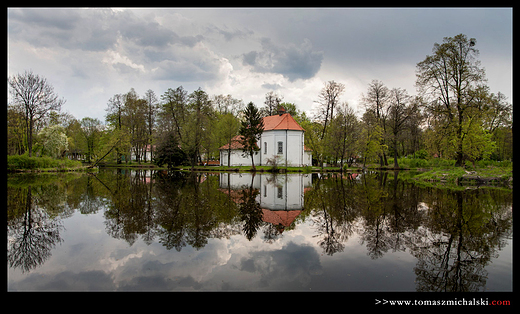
point(115, 59)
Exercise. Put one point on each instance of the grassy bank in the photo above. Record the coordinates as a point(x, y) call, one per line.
point(21, 163)
point(431, 171)
point(459, 175)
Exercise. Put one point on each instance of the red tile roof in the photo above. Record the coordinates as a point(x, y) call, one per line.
point(278, 122)
point(236, 143)
point(281, 122)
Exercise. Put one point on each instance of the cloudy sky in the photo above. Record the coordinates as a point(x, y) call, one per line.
point(91, 54)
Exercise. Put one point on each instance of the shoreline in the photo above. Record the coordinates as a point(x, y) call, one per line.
point(458, 176)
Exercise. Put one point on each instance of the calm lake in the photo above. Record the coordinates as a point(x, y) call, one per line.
point(142, 230)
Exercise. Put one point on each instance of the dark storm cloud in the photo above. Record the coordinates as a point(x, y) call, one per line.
point(90, 30)
point(185, 71)
point(60, 19)
point(292, 61)
point(149, 34)
point(70, 29)
point(231, 34)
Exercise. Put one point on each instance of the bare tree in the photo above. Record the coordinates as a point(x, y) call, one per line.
point(272, 101)
point(224, 104)
point(37, 98)
point(400, 110)
point(377, 100)
point(329, 99)
point(152, 108)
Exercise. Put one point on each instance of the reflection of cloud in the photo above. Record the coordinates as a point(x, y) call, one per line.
point(94, 280)
point(114, 262)
point(284, 267)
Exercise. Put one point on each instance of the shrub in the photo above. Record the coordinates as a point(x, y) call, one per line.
point(421, 154)
point(15, 162)
point(412, 162)
point(486, 163)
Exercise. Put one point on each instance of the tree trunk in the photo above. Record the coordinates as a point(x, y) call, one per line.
point(253, 159)
point(229, 155)
point(396, 165)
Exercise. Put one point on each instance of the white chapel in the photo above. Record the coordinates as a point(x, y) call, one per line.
point(283, 139)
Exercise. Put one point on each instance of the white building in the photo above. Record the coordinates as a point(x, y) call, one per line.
point(282, 139)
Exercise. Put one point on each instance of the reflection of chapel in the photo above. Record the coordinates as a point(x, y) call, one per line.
point(280, 197)
point(283, 139)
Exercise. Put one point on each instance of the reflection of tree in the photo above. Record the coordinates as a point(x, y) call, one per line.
point(453, 240)
point(189, 209)
point(458, 240)
point(32, 234)
point(89, 202)
point(129, 213)
point(199, 206)
point(272, 232)
point(250, 211)
point(333, 216)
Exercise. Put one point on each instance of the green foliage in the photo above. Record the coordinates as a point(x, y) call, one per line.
point(54, 141)
point(421, 154)
point(251, 129)
point(24, 162)
point(168, 152)
point(370, 142)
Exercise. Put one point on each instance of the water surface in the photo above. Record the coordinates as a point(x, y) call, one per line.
point(121, 230)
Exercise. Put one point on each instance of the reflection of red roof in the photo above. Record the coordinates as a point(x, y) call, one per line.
point(280, 217)
point(281, 122)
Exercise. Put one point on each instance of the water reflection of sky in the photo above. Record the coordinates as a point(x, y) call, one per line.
point(89, 259)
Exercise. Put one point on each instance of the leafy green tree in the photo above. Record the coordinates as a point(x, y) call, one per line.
point(197, 127)
point(477, 142)
point(227, 127)
point(343, 135)
point(312, 138)
point(450, 77)
point(90, 128)
point(135, 119)
point(251, 129)
point(16, 133)
point(114, 117)
point(370, 140)
point(174, 110)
